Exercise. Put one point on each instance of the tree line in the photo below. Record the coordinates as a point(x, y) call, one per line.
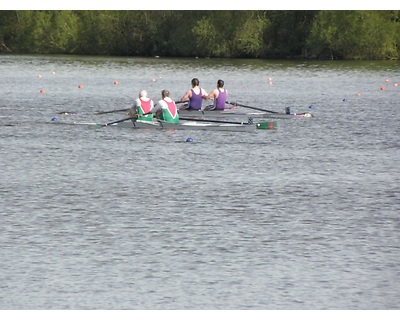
point(337, 34)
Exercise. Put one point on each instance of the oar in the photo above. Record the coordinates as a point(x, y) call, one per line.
point(249, 107)
point(136, 116)
point(112, 111)
point(118, 121)
point(218, 121)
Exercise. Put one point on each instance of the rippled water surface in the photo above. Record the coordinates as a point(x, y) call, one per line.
point(304, 217)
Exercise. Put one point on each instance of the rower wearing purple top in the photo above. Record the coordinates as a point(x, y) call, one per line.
point(219, 96)
point(195, 96)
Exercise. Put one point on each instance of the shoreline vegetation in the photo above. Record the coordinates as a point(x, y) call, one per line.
point(295, 34)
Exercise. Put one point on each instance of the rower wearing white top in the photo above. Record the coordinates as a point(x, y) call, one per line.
point(166, 109)
point(142, 107)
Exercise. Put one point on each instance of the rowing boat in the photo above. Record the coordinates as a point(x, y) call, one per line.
point(198, 124)
point(231, 111)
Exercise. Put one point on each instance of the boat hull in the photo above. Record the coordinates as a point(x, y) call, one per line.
point(195, 125)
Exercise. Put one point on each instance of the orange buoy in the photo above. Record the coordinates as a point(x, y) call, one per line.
point(395, 84)
point(116, 82)
point(383, 88)
point(42, 91)
point(80, 86)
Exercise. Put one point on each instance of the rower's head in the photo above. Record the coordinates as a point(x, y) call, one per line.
point(220, 83)
point(143, 94)
point(165, 93)
point(195, 82)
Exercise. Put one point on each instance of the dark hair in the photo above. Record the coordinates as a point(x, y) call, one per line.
point(195, 82)
point(165, 93)
point(220, 83)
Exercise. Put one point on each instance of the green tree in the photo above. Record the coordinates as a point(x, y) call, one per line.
point(248, 40)
point(59, 31)
point(40, 31)
point(286, 34)
point(7, 32)
point(95, 35)
point(355, 35)
point(205, 37)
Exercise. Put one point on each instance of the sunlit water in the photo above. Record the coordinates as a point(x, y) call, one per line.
point(304, 217)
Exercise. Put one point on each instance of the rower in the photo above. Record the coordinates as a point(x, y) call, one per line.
point(219, 96)
point(195, 95)
point(166, 109)
point(142, 107)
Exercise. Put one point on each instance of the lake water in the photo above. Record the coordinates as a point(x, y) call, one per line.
point(304, 217)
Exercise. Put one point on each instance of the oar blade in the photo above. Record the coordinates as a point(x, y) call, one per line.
point(267, 125)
